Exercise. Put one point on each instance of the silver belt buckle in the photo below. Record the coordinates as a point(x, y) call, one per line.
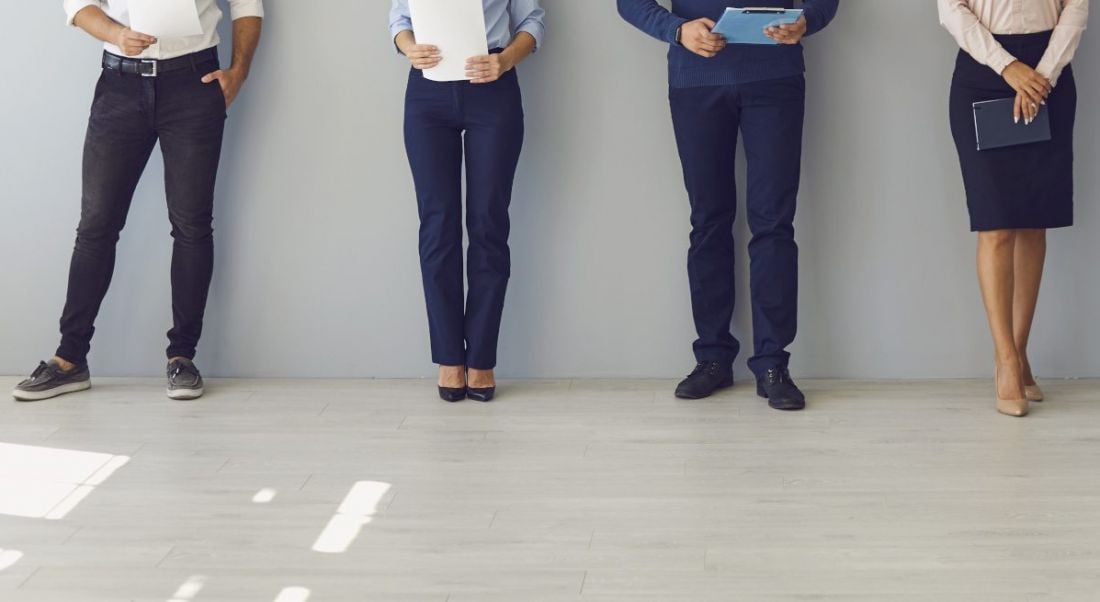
point(152, 73)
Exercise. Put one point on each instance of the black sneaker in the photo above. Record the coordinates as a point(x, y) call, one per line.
point(49, 380)
point(184, 380)
point(782, 394)
point(707, 378)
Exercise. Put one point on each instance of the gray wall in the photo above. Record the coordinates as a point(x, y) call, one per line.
point(317, 270)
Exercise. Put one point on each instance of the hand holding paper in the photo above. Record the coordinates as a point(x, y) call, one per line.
point(456, 28)
point(165, 18)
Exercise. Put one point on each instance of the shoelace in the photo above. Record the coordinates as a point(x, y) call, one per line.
point(778, 375)
point(42, 368)
point(708, 368)
point(183, 368)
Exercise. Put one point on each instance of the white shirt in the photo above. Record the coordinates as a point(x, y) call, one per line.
point(973, 23)
point(168, 48)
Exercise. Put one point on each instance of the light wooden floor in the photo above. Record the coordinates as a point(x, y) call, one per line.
point(565, 491)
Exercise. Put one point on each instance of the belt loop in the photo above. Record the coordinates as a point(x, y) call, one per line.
point(194, 67)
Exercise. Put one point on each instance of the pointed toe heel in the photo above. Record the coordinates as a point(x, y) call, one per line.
point(1017, 408)
point(482, 395)
point(452, 395)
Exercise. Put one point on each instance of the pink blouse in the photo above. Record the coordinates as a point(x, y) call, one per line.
point(974, 22)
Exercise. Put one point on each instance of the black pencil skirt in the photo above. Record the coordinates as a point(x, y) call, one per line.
point(1019, 187)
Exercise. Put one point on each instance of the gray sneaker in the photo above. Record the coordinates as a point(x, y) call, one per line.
point(49, 380)
point(184, 380)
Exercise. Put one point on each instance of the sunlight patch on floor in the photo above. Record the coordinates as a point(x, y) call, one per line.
point(355, 512)
point(43, 482)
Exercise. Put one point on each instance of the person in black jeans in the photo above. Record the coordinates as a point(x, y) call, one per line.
point(174, 93)
point(716, 92)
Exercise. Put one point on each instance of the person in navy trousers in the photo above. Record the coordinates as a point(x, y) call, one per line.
point(481, 121)
point(715, 91)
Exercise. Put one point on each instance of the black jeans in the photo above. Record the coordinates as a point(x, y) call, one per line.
point(129, 115)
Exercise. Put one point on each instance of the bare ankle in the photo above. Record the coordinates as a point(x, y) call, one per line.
point(482, 378)
point(453, 377)
point(64, 364)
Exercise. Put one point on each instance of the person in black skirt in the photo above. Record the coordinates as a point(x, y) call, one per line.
point(1018, 50)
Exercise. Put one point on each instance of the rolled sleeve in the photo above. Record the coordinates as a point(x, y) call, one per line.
point(72, 7)
point(531, 18)
point(399, 18)
point(239, 9)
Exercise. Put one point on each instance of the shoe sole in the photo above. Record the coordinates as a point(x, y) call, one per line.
point(720, 387)
point(185, 394)
point(50, 394)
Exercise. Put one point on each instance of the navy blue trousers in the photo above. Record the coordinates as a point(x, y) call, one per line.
point(483, 123)
point(769, 114)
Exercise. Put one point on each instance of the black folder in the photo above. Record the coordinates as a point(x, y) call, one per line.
point(996, 127)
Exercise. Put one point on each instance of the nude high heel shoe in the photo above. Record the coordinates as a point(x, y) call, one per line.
point(1033, 393)
point(1017, 408)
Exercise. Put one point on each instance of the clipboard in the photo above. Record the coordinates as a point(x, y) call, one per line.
point(995, 126)
point(746, 25)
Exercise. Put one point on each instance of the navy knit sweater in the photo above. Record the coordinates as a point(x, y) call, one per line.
point(737, 64)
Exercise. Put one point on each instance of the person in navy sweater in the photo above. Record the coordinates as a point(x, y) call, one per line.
point(715, 91)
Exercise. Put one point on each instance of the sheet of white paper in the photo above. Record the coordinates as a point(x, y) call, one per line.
point(165, 18)
point(457, 27)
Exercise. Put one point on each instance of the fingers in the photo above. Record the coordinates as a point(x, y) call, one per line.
point(133, 43)
point(210, 77)
point(711, 43)
point(426, 63)
point(710, 24)
point(424, 56)
point(422, 51)
point(784, 37)
point(139, 37)
point(787, 33)
point(484, 69)
point(1024, 109)
point(707, 45)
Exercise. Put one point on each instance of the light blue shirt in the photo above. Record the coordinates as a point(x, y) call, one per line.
point(503, 20)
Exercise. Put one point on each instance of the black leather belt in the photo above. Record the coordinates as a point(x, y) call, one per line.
point(153, 68)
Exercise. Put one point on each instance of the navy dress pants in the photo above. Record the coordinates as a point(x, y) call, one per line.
point(446, 122)
point(769, 114)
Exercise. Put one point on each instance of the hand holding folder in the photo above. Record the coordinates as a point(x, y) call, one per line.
point(747, 25)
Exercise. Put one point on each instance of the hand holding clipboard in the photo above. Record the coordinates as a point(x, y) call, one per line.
point(763, 26)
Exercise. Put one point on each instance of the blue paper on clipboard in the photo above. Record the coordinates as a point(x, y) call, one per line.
point(746, 25)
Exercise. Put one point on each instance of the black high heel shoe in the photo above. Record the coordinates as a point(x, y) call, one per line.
point(483, 395)
point(452, 395)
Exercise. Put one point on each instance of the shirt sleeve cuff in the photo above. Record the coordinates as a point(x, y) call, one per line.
point(1001, 60)
point(72, 7)
point(537, 31)
point(249, 8)
point(673, 27)
point(1049, 70)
